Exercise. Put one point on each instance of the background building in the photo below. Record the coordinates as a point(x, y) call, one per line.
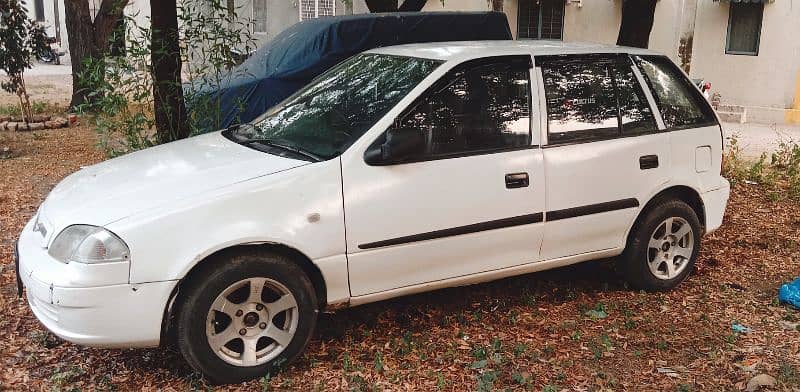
point(748, 49)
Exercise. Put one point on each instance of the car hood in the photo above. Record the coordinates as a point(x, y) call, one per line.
point(120, 187)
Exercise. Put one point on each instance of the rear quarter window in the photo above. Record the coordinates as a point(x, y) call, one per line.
point(681, 105)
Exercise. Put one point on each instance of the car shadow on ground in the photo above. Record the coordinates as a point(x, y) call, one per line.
point(413, 312)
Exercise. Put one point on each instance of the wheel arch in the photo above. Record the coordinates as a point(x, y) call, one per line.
point(684, 193)
point(311, 270)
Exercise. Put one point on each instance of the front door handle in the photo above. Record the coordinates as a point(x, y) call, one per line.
point(648, 162)
point(517, 180)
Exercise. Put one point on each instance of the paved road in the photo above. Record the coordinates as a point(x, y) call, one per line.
point(755, 139)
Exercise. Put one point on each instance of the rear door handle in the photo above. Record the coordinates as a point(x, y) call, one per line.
point(517, 180)
point(648, 162)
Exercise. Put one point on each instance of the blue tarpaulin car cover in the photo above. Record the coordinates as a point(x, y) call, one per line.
point(308, 48)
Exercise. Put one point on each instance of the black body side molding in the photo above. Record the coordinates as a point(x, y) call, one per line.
point(453, 231)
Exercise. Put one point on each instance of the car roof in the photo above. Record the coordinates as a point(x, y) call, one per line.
point(464, 50)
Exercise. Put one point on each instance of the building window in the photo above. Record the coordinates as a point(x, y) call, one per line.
point(310, 9)
point(38, 10)
point(259, 16)
point(744, 28)
point(540, 19)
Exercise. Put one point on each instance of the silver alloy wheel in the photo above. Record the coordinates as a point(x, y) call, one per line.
point(251, 322)
point(670, 248)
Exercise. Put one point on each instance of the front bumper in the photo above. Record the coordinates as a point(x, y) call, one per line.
point(715, 202)
point(115, 315)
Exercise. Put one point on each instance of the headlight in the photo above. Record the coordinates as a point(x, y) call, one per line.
point(88, 244)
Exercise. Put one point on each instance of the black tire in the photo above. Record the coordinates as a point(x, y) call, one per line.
point(202, 290)
point(634, 260)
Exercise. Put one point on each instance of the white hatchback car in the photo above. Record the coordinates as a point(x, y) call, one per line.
point(403, 169)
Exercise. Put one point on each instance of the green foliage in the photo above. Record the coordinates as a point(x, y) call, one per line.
point(782, 167)
point(17, 48)
point(121, 104)
point(20, 40)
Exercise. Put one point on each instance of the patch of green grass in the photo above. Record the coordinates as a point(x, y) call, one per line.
point(787, 374)
point(378, 363)
point(497, 345)
point(440, 382)
point(550, 388)
point(486, 380)
point(521, 380)
point(63, 376)
point(9, 110)
point(520, 349)
point(479, 352)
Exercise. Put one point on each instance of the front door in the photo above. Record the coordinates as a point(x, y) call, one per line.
point(470, 200)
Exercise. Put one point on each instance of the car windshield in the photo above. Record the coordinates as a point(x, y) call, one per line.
point(323, 119)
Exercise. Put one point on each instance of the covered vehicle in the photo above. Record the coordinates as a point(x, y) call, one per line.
point(305, 50)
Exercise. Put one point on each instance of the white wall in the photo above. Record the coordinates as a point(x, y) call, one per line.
point(598, 21)
point(768, 79)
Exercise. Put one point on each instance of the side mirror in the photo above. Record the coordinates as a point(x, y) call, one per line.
point(400, 144)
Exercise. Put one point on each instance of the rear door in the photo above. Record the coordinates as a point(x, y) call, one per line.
point(604, 154)
point(471, 201)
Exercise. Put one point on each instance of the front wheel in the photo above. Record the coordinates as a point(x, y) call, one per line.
point(662, 247)
point(250, 315)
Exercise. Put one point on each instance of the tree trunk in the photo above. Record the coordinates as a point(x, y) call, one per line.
point(80, 33)
point(391, 5)
point(412, 5)
point(170, 110)
point(637, 22)
point(88, 40)
point(497, 5)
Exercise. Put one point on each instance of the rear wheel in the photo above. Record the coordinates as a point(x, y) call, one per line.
point(250, 315)
point(662, 247)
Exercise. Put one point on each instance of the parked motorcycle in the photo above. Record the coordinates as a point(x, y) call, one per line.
point(48, 49)
point(705, 87)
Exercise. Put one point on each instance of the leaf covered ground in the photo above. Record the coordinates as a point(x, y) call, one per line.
point(576, 328)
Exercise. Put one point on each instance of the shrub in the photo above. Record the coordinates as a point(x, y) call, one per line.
point(122, 87)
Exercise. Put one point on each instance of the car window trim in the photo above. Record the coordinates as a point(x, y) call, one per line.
point(544, 134)
point(624, 61)
point(450, 77)
point(651, 100)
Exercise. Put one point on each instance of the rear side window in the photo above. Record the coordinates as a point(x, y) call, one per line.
point(681, 105)
point(581, 104)
point(593, 98)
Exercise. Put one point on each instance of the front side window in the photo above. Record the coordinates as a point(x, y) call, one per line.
point(744, 28)
point(324, 118)
point(478, 109)
point(680, 103)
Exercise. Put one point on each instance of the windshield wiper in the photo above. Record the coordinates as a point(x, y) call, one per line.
point(272, 143)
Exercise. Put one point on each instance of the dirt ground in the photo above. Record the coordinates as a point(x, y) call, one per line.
point(43, 86)
point(572, 329)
